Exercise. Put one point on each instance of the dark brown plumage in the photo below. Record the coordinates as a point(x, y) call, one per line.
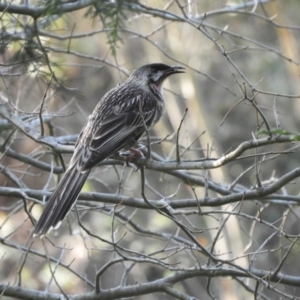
point(117, 122)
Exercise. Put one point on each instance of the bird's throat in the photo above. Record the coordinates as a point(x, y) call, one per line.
point(155, 88)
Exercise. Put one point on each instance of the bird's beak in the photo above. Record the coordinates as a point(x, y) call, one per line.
point(171, 71)
point(168, 72)
point(176, 69)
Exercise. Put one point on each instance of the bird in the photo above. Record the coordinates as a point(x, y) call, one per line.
point(119, 119)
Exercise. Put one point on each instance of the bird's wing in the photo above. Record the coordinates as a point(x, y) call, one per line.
point(120, 128)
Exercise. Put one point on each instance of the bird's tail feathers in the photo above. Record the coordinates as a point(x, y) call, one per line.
point(61, 201)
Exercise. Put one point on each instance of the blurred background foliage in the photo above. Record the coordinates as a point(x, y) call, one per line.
point(58, 58)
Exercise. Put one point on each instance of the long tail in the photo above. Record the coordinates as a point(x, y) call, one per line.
point(61, 201)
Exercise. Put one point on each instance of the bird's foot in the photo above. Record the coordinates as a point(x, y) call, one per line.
point(131, 154)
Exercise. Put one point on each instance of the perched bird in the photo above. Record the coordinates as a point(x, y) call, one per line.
point(117, 122)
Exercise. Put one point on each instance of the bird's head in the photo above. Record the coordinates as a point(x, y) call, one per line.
point(153, 75)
